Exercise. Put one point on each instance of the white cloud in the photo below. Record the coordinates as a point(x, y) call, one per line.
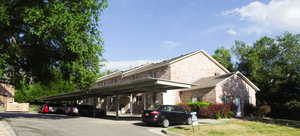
point(170, 44)
point(231, 32)
point(123, 65)
point(281, 15)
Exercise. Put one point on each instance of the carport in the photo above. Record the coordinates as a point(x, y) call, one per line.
point(144, 85)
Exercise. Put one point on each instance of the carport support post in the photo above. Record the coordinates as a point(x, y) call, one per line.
point(117, 106)
point(131, 104)
point(94, 107)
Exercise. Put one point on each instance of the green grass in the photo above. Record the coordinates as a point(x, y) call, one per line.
point(239, 128)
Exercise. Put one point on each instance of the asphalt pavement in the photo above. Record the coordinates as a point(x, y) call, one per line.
point(25, 124)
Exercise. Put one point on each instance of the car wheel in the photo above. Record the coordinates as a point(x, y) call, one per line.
point(189, 121)
point(165, 123)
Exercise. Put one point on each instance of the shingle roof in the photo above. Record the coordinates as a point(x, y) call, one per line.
point(209, 82)
point(150, 66)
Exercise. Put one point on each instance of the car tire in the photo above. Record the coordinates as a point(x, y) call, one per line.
point(165, 123)
point(189, 121)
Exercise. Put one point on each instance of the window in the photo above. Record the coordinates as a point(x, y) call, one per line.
point(167, 108)
point(225, 99)
point(177, 108)
point(153, 74)
point(196, 98)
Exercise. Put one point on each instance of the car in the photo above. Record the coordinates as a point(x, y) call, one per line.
point(90, 111)
point(49, 108)
point(71, 110)
point(166, 114)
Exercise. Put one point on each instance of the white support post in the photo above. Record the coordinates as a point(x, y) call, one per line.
point(117, 107)
point(131, 104)
point(144, 99)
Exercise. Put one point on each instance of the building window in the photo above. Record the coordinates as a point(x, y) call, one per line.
point(153, 74)
point(194, 99)
point(197, 98)
point(225, 99)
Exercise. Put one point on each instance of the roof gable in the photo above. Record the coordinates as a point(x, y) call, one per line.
point(151, 66)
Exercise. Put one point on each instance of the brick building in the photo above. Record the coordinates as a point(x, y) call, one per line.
point(194, 76)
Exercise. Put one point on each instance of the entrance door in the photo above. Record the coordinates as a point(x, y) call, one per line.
point(237, 103)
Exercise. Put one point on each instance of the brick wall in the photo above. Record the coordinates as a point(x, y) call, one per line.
point(189, 70)
point(236, 87)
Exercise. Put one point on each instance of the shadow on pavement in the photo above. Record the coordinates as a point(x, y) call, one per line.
point(142, 124)
point(34, 115)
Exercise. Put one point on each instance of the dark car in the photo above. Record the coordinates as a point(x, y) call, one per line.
point(167, 114)
point(90, 111)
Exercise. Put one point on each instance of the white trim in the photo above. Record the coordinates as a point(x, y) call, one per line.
point(215, 61)
point(173, 84)
point(248, 81)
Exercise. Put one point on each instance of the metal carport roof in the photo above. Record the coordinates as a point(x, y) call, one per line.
point(133, 86)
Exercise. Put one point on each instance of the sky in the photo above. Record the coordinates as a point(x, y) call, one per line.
point(143, 31)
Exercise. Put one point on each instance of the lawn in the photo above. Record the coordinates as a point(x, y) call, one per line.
point(239, 128)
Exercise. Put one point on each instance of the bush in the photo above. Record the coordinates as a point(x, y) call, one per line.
point(185, 106)
point(216, 111)
point(195, 106)
point(250, 110)
point(264, 110)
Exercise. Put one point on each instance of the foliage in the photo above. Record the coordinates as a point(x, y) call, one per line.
point(34, 92)
point(185, 106)
point(264, 110)
point(250, 110)
point(34, 108)
point(195, 106)
point(216, 111)
point(223, 56)
point(273, 64)
point(40, 39)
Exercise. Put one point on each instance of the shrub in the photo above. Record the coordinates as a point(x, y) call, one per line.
point(216, 111)
point(195, 106)
point(264, 110)
point(250, 110)
point(185, 106)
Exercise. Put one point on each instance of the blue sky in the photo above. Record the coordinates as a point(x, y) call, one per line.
point(140, 31)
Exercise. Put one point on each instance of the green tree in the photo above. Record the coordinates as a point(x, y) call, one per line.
point(223, 56)
point(44, 38)
point(274, 65)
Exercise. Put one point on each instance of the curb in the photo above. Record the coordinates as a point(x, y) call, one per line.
point(8, 128)
point(170, 133)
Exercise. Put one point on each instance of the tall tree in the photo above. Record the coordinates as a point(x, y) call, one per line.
point(42, 39)
point(223, 56)
point(274, 65)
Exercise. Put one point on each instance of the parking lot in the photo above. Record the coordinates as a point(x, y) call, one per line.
point(25, 124)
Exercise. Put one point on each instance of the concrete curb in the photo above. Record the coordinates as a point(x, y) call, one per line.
point(170, 133)
point(8, 128)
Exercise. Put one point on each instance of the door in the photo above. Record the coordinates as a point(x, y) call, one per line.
point(237, 103)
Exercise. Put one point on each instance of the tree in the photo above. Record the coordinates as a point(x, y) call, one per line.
point(44, 38)
point(223, 56)
point(274, 65)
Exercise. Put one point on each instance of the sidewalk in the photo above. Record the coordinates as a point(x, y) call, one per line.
point(5, 129)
